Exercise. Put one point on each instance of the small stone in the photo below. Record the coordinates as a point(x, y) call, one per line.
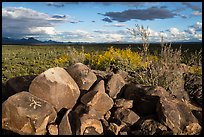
point(126, 115)
point(107, 115)
point(114, 128)
point(123, 103)
point(53, 129)
point(90, 131)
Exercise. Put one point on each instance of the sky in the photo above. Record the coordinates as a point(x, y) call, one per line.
point(102, 21)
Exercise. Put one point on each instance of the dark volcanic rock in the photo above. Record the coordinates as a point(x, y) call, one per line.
point(193, 86)
point(57, 87)
point(100, 74)
point(52, 129)
point(198, 115)
point(148, 126)
point(64, 126)
point(17, 84)
point(83, 75)
point(91, 131)
point(97, 101)
point(115, 85)
point(126, 115)
point(114, 128)
point(177, 116)
point(87, 121)
point(25, 113)
point(144, 98)
point(123, 103)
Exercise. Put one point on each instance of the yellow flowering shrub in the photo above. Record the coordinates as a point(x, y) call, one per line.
point(122, 58)
point(196, 70)
point(61, 59)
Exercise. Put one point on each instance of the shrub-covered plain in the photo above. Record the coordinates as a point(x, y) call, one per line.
point(161, 68)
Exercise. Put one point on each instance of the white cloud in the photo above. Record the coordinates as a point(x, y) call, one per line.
point(116, 25)
point(18, 22)
point(197, 13)
point(191, 31)
point(198, 26)
point(198, 36)
point(195, 28)
point(174, 31)
point(43, 30)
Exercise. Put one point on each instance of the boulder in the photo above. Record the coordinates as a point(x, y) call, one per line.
point(17, 84)
point(198, 115)
point(100, 74)
point(123, 103)
point(124, 75)
point(87, 121)
point(144, 98)
point(176, 115)
point(126, 115)
point(81, 109)
point(193, 86)
point(83, 75)
point(114, 85)
point(25, 113)
point(57, 87)
point(105, 125)
point(149, 126)
point(64, 126)
point(97, 101)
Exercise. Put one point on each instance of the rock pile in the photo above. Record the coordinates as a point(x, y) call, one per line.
point(81, 101)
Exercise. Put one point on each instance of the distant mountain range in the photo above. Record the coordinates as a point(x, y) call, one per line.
point(33, 41)
point(30, 41)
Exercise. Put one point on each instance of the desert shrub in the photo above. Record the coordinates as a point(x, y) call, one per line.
point(165, 70)
point(124, 59)
point(70, 57)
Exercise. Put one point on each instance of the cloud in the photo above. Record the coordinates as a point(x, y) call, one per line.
point(107, 20)
point(191, 6)
point(140, 14)
point(18, 22)
point(56, 4)
point(196, 13)
point(42, 30)
point(130, 4)
point(116, 25)
point(198, 36)
point(191, 31)
point(195, 28)
point(174, 31)
point(59, 16)
point(76, 35)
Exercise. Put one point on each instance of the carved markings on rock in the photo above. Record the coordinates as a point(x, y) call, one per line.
point(57, 87)
point(25, 113)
